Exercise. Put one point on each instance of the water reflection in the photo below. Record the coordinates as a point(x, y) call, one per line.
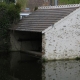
point(62, 70)
point(4, 67)
point(25, 67)
point(20, 66)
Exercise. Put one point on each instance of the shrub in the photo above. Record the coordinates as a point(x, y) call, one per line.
point(9, 14)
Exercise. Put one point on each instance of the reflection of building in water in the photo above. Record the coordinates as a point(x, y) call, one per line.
point(62, 70)
point(25, 67)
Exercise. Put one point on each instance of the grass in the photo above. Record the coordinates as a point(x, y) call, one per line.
point(68, 1)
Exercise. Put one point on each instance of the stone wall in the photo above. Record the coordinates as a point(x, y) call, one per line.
point(62, 41)
point(59, 6)
point(15, 45)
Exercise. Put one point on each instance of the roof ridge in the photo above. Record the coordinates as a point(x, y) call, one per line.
point(59, 6)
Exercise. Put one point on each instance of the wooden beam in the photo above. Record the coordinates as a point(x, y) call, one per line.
point(36, 39)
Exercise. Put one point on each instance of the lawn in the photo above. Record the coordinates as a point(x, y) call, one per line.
point(68, 1)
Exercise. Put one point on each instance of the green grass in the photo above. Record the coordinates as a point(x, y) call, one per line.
point(68, 1)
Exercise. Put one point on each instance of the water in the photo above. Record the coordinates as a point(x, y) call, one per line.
point(25, 67)
point(62, 70)
point(20, 66)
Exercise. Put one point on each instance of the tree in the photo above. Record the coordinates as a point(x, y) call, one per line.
point(11, 0)
point(9, 14)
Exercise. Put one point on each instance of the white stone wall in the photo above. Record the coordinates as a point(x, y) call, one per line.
point(62, 41)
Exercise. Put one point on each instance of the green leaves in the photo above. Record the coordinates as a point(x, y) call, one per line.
point(9, 14)
point(13, 13)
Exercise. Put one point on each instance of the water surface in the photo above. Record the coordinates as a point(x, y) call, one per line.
point(62, 70)
point(20, 66)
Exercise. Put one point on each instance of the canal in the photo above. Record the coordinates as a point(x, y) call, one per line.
point(20, 66)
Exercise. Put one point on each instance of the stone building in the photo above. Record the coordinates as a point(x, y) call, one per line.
point(54, 31)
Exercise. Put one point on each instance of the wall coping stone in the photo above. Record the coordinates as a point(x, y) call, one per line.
point(59, 6)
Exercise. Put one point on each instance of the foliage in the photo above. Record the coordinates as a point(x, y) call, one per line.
point(9, 14)
point(35, 8)
point(23, 3)
point(13, 12)
point(77, 58)
point(69, 1)
point(11, 0)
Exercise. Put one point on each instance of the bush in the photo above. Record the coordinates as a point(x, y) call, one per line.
point(9, 14)
point(13, 12)
point(35, 8)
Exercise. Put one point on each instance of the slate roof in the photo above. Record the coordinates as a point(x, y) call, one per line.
point(42, 19)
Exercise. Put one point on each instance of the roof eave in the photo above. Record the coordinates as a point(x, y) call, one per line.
point(47, 29)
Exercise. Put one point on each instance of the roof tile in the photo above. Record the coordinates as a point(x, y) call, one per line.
point(42, 19)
